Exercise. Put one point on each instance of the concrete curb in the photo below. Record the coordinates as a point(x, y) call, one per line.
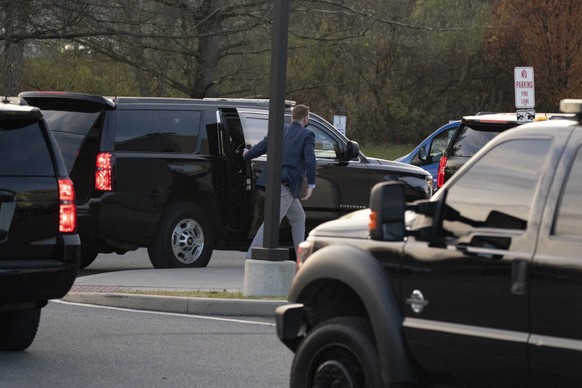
point(180, 305)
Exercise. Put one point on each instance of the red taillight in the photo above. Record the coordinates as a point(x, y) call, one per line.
point(441, 172)
point(103, 171)
point(67, 207)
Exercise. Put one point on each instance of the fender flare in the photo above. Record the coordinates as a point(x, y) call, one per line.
point(361, 272)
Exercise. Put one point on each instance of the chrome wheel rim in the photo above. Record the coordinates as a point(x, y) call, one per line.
point(187, 241)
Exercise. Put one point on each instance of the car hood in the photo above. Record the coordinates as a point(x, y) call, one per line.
point(351, 225)
point(398, 166)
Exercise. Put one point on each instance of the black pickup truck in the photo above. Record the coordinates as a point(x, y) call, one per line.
point(168, 173)
point(479, 286)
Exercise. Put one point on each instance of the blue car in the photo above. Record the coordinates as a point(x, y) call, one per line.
point(428, 153)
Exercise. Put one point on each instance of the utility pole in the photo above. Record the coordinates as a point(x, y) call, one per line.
point(269, 272)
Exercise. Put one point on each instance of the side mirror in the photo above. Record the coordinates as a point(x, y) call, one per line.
point(388, 203)
point(352, 150)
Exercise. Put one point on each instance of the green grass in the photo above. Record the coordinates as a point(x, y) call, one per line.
point(386, 151)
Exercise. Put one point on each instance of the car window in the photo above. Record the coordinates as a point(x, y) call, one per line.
point(440, 142)
point(71, 122)
point(570, 211)
point(326, 147)
point(18, 136)
point(157, 130)
point(256, 125)
point(497, 191)
point(470, 141)
point(70, 129)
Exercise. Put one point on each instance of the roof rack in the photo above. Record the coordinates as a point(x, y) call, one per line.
point(248, 100)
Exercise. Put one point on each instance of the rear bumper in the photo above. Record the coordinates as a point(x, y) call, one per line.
point(40, 280)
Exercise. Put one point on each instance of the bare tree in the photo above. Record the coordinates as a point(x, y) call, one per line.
point(12, 15)
point(549, 39)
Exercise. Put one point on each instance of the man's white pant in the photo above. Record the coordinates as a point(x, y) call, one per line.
point(290, 207)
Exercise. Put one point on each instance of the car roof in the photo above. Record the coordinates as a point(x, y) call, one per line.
point(112, 101)
point(509, 118)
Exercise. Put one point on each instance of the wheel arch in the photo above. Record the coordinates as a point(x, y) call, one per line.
point(363, 290)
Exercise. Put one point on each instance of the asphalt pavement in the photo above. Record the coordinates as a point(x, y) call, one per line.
point(130, 281)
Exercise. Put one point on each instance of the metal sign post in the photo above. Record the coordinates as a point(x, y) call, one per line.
point(271, 251)
point(269, 272)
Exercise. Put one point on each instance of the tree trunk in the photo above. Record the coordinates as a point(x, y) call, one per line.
point(13, 51)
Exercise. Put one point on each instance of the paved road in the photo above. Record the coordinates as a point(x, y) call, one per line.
point(88, 346)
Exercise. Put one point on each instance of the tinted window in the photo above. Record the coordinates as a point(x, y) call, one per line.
point(24, 150)
point(157, 130)
point(256, 125)
point(498, 190)
point(470, 141)
point(570, 211)
point(70, 129)
point(70, 122)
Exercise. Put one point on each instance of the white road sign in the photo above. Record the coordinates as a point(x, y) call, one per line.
point(525, 96)
point(340, 123)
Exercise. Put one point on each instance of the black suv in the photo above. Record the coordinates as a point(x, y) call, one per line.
point(39, 247)
point(474, 133)
point(168, 174)
point(478, 286)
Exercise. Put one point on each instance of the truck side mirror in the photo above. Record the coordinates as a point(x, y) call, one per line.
point(388, 203)
point(352, 150)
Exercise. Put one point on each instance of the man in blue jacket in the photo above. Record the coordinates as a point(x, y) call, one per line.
point(298, 164)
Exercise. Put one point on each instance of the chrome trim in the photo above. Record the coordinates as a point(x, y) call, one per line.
point(556, 342)
point(474, 331)
point(500, 335)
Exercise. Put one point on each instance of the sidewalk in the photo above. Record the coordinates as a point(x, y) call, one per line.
point(111, 282)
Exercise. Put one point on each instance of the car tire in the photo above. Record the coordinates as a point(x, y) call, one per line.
point(185, 238)
point(339, 352)
point(18, 329)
